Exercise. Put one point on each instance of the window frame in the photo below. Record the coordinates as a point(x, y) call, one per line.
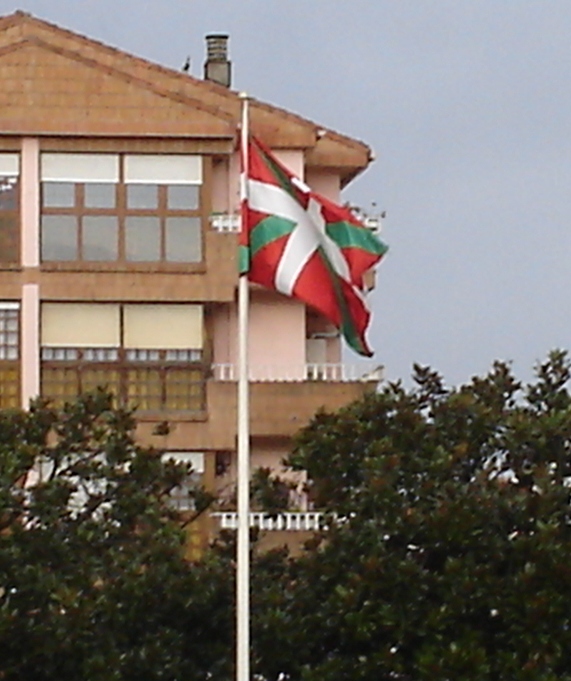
point(11, 399)
point(121, 211)
point(176, 377)
point(122, 371)
point(10, 169)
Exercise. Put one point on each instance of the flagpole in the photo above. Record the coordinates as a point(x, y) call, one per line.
point(243, 542)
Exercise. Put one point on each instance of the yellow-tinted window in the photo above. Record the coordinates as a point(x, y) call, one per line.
point(60, 384)
point(9, 386)
point(144, 388)
point(9, 356)
point(184, 389)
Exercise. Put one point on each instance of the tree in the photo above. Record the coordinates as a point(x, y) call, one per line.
point(93, 580)
point(445, 553)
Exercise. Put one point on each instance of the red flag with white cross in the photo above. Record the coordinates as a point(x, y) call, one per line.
point(301, 244)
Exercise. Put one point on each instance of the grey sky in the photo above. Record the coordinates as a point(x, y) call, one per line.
point(467, 104)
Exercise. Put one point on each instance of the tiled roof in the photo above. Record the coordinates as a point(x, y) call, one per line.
point(55, 81)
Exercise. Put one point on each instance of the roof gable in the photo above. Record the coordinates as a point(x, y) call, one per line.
point(71, 84)
point(50, 90)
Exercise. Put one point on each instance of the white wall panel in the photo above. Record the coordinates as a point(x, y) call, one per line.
point(163, 327)
point(163, 169)
point(79, 167)
point(74, 325)
point(9, 164)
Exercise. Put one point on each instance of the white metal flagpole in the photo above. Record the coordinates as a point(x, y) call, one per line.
point(243, 543)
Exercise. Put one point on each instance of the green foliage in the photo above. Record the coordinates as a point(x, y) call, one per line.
point(444, 554)
point(447, 545)
point(93, 580)
point(269, 492)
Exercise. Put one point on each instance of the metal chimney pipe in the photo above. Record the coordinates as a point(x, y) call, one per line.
point(217, 67)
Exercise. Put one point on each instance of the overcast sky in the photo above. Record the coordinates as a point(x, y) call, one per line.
point(467, 105)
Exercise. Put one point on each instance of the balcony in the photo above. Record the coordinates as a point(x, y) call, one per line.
point(230, 222)
point(339, 373)
point(284, 399)
point(225, 223)
point(303, 521)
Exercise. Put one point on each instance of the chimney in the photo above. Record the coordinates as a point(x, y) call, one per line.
point(217, 67)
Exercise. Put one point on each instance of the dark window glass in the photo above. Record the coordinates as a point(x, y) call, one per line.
point(58, 194)
point(142, 196)
point(59, 237)
point(183, 239)
point(99, 195)
point(183, 196)
point(9, 220)
point(8, 193)
point(142, 239)
point(100, 237)
point(9, 237)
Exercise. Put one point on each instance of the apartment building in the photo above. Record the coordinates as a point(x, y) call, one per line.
point(118, 246)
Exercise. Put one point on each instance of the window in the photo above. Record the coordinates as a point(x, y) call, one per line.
point(149, 356)
point(9, 208)
point(182, 497)
point(128, 209)
point(9, 355)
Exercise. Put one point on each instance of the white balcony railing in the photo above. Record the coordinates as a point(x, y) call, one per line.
point(299, 373)
point(230, 222)
point(304, 521)
point(226, 223)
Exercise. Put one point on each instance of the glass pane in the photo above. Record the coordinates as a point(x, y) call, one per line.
point(183, 240)
point(9, 386)
point(108, 379)
point(142, 239)
point(183, 196)
point(99, 195)
point(185, 389)
point(144, 389)
point(59, 237)
point(142, 196)
point(100, 237)
point(100, 354)
point(138, 355)
point(60, 354)
point(58, 194)
point(59, 385)
point(8, 193)
point(9, 237)
point(183, 355)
